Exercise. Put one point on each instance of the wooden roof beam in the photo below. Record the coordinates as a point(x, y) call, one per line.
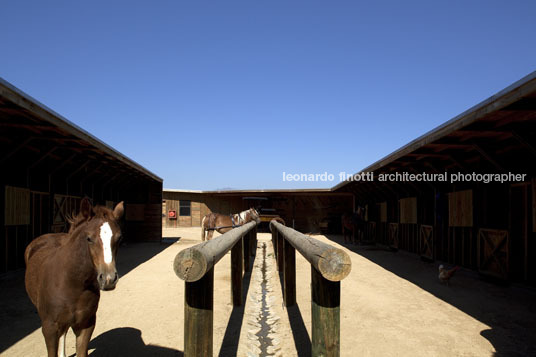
point(524, 142)
point(17, 149)
point(488, 157)
point(468, 135)
point(439, 147)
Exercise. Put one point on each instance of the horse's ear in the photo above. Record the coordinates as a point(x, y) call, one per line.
point(85, 208)
point(119, 210)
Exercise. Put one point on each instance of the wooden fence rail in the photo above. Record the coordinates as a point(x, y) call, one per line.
point(329, 265)
point(195, 265)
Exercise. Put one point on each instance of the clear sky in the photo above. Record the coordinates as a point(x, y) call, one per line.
point(231, 94)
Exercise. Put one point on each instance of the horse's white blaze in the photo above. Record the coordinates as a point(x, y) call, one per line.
point(203, 221)
point(106, 238)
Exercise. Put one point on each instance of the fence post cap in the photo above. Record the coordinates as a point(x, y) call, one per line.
point(334, 264)
point(190, 265)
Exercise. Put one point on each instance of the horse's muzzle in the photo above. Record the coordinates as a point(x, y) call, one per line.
point(107, 281)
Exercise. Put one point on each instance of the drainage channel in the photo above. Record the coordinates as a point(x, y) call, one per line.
point(263, 338)
point(264, 314)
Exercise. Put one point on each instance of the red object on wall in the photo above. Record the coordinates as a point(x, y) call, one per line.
point(172, 214)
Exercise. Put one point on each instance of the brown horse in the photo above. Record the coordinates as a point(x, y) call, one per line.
point(353, 225)
point(66, 271)
point(222, 223)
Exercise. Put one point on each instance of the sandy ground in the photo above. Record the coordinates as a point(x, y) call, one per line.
point(391, 305)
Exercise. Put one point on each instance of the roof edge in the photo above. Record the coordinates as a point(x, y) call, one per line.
point(501, 99)
point(304, 190)
point(27, 102)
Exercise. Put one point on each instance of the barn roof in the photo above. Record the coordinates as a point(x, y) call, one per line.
point(496, 135)
point(24, 118)
point(254, 192)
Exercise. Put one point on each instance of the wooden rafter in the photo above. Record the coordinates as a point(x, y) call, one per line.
point(524, 142)
point(488, 157)
point(16, 149)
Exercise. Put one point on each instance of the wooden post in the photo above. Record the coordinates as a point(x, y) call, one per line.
point(274, 241)
point(280, 254)
point(245, 243)
point(289, 275)
point(253, 241)
point(236, 273)
point(325, 314)
point(198, 316)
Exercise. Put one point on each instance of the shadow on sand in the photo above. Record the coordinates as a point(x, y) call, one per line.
point(510, 311)
point(19, 316)
point(127, 342)
point(229, 345)
point(302, 340)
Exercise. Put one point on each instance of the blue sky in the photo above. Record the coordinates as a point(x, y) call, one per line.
point(231, 94)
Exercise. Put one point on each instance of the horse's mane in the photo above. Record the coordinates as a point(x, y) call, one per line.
point(101, 212)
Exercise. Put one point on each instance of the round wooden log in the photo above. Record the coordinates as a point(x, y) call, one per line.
point(333, 263)
point(191, 264)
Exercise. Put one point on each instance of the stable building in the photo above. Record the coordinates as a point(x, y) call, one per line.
point(49, 164)
point(308, 210)
point(464, 193)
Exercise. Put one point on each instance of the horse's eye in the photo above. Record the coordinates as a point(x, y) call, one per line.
point(89, 240)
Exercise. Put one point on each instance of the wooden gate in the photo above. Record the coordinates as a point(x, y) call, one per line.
point(493, 253)
point(64, 207)
point(426, 234)
point(393, 235)
point(370, 232)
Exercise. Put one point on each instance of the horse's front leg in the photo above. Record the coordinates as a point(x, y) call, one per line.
point(83, 336)
point(52, 335)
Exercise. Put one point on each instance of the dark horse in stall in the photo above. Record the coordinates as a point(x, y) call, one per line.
point(66, 271)
point(223, 223)
point(353, 226)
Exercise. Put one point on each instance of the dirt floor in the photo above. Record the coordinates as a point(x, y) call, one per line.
point(391, 305)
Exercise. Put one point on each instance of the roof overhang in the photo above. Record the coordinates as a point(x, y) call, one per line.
point(38, 110)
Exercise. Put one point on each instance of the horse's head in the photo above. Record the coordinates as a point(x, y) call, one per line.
point(254, 215)
point(361, 211)
point(100, 230)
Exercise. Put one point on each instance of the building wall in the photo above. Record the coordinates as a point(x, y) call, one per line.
point(306, 212)
point(488, 228)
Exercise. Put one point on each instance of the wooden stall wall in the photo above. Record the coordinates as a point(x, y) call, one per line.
point(65, 206)
point(382, 228)
point(531, 254)
point(200, 205)
point(520, 231)
point(25, 217)
point(308, 213)
point(461, 241)
point(143, 219)
point(408, 232)
point(427, 223)
point(17, 226)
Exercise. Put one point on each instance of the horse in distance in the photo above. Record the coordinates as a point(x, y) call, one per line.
point(224, 223)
